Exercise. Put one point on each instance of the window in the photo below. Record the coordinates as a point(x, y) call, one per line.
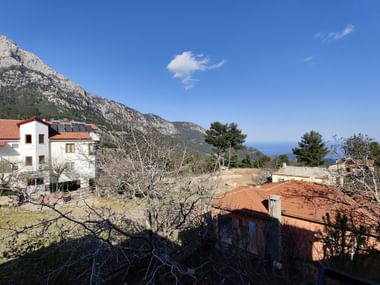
point(91, 182)
point(5, 167)
point(252, 237)
point(69, 166)
point(41, 139)
point(28, 139)
point(41, 159)
point(242, 233)
point(246, 234)
point(35, 181)
point(70, 147)
point(91, 149)
point(14, 145)
point(28, 160)
point(225, 228)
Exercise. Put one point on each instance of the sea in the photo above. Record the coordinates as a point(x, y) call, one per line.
point(274, 148)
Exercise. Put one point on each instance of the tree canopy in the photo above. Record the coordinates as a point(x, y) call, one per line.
point(281, 159)
point(311, 150)
point(217, 137)
point(360, 146)
point(225, 137)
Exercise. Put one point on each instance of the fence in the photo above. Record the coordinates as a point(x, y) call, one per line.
point(53, 198)
point(331, 276)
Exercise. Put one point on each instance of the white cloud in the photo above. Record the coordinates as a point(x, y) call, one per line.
point(309, 59)
point(185, 64)
point(334, 36)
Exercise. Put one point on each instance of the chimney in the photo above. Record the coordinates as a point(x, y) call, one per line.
point(274, 204)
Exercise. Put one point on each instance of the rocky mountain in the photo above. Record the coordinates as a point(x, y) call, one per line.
point(30, 87)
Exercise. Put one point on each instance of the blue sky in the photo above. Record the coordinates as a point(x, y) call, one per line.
point(277, 68)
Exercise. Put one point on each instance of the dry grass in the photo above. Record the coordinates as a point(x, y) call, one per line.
point(19, 217)
point(16, 218)
point(26, 215)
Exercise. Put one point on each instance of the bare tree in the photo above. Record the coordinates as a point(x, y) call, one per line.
point(355, 170)
point(8, 174)
point(57, 168)
point(149, 242)
point(12, 181)
point(154, 174)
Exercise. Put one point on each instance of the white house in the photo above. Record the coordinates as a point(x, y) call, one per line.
point(48, 155)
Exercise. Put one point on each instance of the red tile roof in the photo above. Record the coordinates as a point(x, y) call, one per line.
point(31, 119)
point(9, 129)
point(93, 127)
point(70, 136)
point(303, 200)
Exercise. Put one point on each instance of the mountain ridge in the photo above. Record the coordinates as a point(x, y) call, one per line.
point(24, 77)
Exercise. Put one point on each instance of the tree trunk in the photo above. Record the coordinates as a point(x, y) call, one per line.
point(229, 156)
point(217, 162)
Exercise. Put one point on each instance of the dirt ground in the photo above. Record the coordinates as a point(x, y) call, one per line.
point(229, 179)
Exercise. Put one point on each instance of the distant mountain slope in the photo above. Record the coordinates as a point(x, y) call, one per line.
point(30, 87)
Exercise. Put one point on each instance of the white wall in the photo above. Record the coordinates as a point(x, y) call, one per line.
point(54, 152)
point(34, 149)
point(9, 153)
point(279, 178)
point(84, 163)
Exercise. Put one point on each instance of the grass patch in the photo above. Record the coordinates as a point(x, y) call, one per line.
point(8, 193)
point(27, 215)
point(19, 217)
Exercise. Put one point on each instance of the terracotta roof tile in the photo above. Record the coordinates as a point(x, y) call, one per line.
point(9, 129)
point(304, 200)
point(31, 119)
point(70, 136)
point(93, 127)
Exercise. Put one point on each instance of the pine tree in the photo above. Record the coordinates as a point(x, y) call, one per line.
point(246, 161)
point(224, 137)
point(311, 150)
point(235, 139)
point(217, 137)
